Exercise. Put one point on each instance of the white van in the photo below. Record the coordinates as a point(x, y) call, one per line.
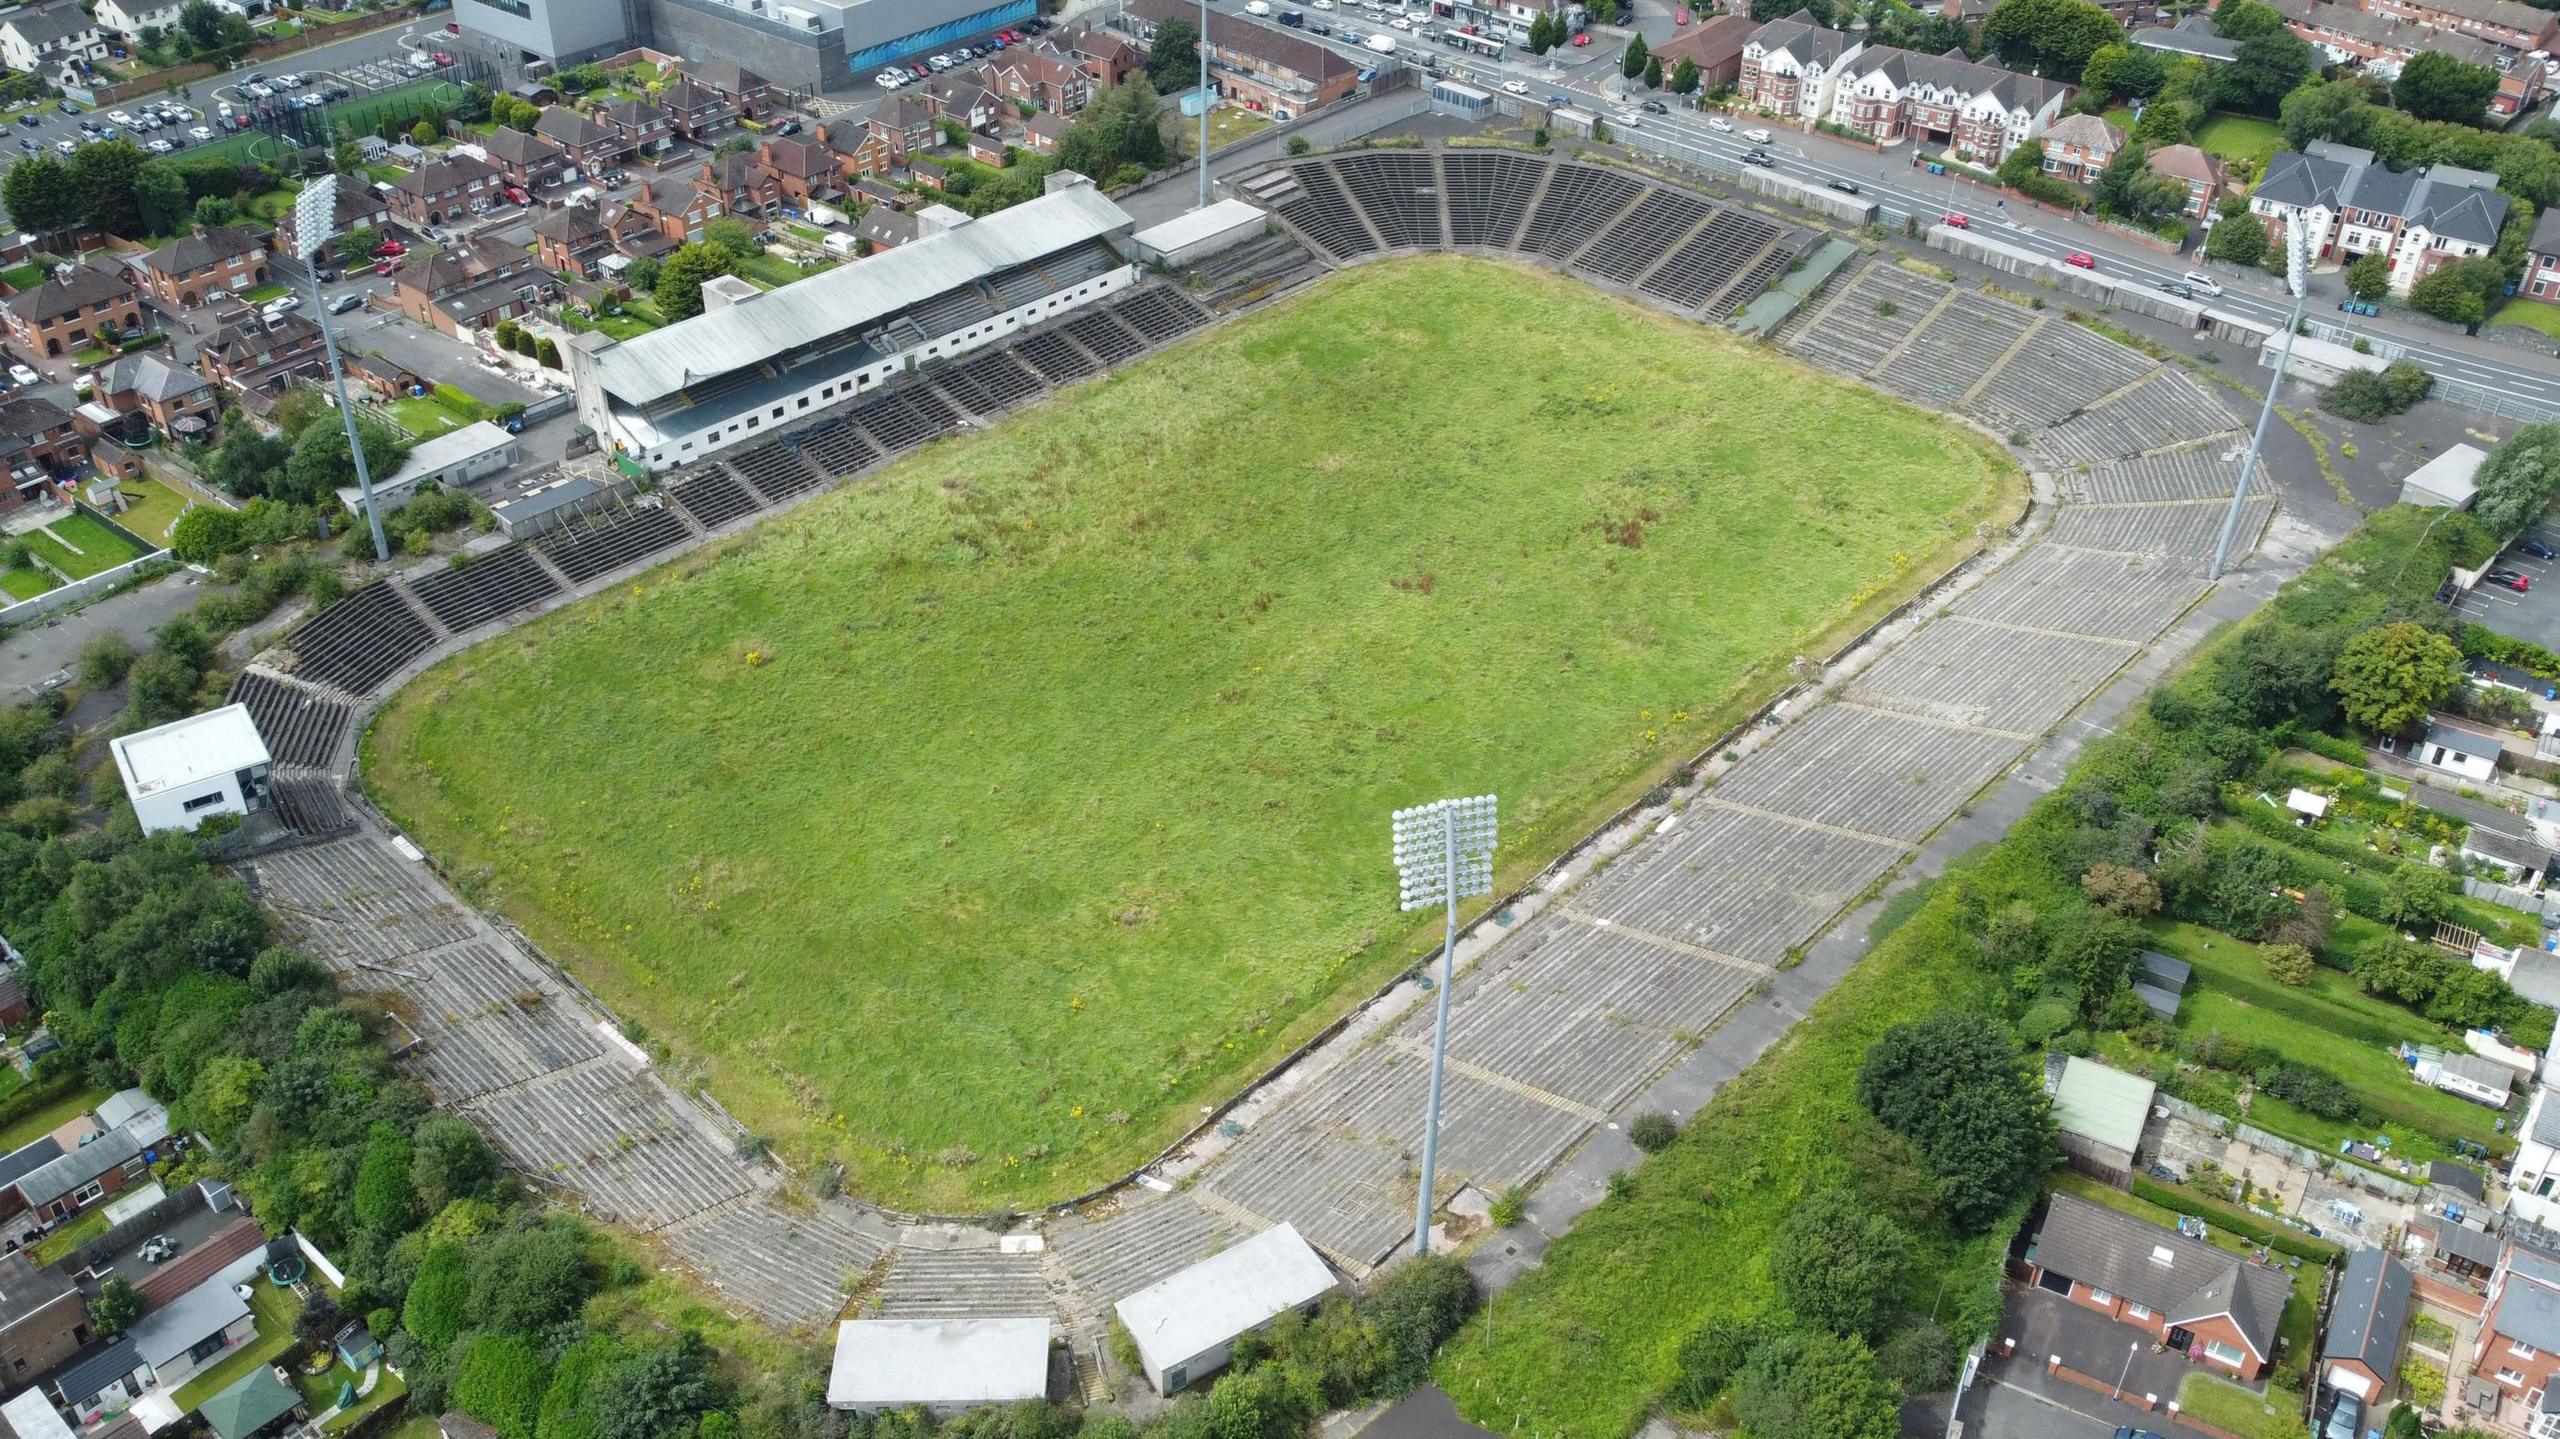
point(1257, 7)
point(2203, 284)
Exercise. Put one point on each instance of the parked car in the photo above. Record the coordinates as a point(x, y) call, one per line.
point(283, 305)
point(2516, 580)
point(386, 267)
point(2536, 548)
point(344, 303)
point(516, 195)
point(2081, 260)
point(1954, 221)
point(25, 376)
point(1581, 38)
point(391, 248)
point(67, 147)
point(201, 133)
point(1845, 187)
point(28, 145)
point(787, 127)
point(1759, 157)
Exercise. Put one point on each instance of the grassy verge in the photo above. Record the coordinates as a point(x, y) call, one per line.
point(2532, 314)
point(2228, 1407)
point(1251, 650)
point(36, 1123)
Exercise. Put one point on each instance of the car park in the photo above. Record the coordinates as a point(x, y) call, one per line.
point(201, 133)
point(1761, 158)
point(2515, 580)
point(2081, 260)
point(29, 121)
point(24, 375)
point(120, 117)
point(28, 145)
point(1845, 187)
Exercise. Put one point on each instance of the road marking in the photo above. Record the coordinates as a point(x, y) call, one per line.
point(1419, 1049)
point(1713, 801)
point(1589, 920)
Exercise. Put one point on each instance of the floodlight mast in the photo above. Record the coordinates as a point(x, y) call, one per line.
point(2297, 265)
point(1443, 853)
point(315, 213)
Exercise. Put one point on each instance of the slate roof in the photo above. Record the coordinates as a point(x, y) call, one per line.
point(19, 1162)
point(2464, 1242)
point(1801, 37)
point(2160, 1269)
point(520, 147)
point(2445, 199)
point(96, 1370)
point(2461, 1178)
point(25, 1290)
point(2529, 1306)
point(2087, 132)
point(1952, 71)
point(111, 1150)
point(205, 249)
point(571, 225)
point(49, 25)
point(569, 128)
point(2189, 39)
point(154, 379)
point(1276, 48)
point(2370, 1313)
point(63, 295)
point(451, 172)
point(2508, 13)
point(2171, 974)
point(28, 416)
point(723, 75)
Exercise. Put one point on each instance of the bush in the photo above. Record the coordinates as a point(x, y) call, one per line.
point(1922, 1359)
point(1510, 1208)
point(1838, 1266)
point(1710, 1358)
point(1652, 1131)
point(105, 660)
point(2288, 963)
point(2370, 396)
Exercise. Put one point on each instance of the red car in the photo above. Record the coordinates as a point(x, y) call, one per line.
point(390, 249)
point(2512, 579)
point(1582, 39)
point(1679, 17)
point(1955, 221)
point(517, 196)
point(2081, 259)
point(386, 267)
point(443, 58)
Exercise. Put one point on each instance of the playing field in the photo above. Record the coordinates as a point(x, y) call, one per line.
point(980, 828)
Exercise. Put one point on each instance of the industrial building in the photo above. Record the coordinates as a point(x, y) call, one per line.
point(753, 365)
point(183, 773)
point(796, 45)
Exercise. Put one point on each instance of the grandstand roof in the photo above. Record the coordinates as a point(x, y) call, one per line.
point(653, 366)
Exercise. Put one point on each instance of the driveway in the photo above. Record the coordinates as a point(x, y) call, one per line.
point(2020, 1398)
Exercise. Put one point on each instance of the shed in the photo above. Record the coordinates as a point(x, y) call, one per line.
point(2098, 1117)
point(1195, 235)
point(2307, 807)
point(2318, 361)
point(2445, 482)
point(1186, 1326)
point(942, 1365)
point(449, 461)
point(2170, 974)
point(355, 1347)
point(248, 1407)
point(32, 1416)
point(2361, 1352)
point(136, 1113)
point(2482, 1081)
point(1573, 120)
point(2458, 749)
point(2460, 1178)
point(2465, 1250)
point(182, 773)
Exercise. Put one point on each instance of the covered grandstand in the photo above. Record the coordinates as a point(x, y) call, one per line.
point(753, 366)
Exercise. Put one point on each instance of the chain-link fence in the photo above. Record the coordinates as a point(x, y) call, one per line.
point(2470, 396)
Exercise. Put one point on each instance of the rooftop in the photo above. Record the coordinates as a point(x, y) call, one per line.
point(2370, 1313)
point(26, 1291)
point(2105, 1106)
point(1192, 226)
point(837, 302)
point(2160, 1269)
point(893, 1363)
point(51, 1181)
point(199, 747)
point(256, 1401)
point(186, 1321)
point(1225, 1295)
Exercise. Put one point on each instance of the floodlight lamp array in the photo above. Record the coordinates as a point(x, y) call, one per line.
point(1441, 841)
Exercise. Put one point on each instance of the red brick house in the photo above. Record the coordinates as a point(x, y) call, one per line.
point(37, 443)
point(1042, 134)
point(158, 390)
point(183, 272)
point(1714, 44)
point(469, 286)
point(588, 144)
point(2077, 147)
point(528, 160)
point(2217, 1308)
point(926, 171)
point(250, 355)
point(2518, 1351)
point(989, 150)
point(740, 184)
point(680, 205)
point(696, 111)
point(966, 97)
point(2368, 1319)
point(640, 127)
point(80, 1179)
point(2508, 24)
point(43, 1319)
point(359, 207)
point(906, 124)
point(2199, 172)
point(1260, 68)
point(800, 170)
point(569, 241)
point(861, 150)
point(446, 191)
point(744, 88)
point(1105, 58)
point(1042, 78)
point(57, 317)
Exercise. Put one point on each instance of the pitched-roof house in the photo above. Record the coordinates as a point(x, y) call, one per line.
point(55, 317)
point(526, 158)
point(1979, 111)
point(358, 207)
point(59, 42)
point(2077, 147)
point(2355, 206)
point(2192, 167)
point(2216, 1307)
point(2508, 24)
point(469, 285)
point(639, 127)
point(570, 239)
point(587, 143)
point(1792, 66)
point(183, 272)
point(742, 87)
point(445, 191)
point(2367, 1321)
point(802, 170)
point(1041, 77)
point(149, 385)
point(250, 355)
point(695, 110)
point(1104, 57)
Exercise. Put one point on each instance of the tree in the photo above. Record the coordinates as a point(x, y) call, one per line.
point(1122, 128)
point(2369, 276)
point(1631, 64)
point(656, 1392)
point(1686, 77)
point(321, 461)
point(1952, 1086)
point(1815, 1386)
point(1653, 72)
point(1709, 1358)
point(2165, 122)
point(385, 1201)
point(1541, 37)
point(679, 287)
point(2122, 889)
point(2519, 479)
point(2434, 85)
point(499, 1381)
point(2459, 292)
point(2247, 19)
point(2288, 963)
point(2053, 37)
point(734, 235)
point(439, 1302)
point(1173, 57)
point(528, 1278)
point(1922, 1359)
point(118, 1304)
point(160, 197)
point(42, 195)
point(104, 659)
point(201, 21)
point(2118, 71)
point(357, 245)
point(160, 689)
point(104, 176)
point(248, 463)
point(1838, 1265)
point(2274, 261)
point(2264, 70)
point(452, 1161)
point(2389, 676)
point(546, 351)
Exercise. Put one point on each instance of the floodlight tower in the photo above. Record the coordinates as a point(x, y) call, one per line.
point(1444, 853)
point(1203, 101)
point(2297, 267)
point(315, 213)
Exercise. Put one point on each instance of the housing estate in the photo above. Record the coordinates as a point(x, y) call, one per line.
point(1256, 66)
point(2420, 219)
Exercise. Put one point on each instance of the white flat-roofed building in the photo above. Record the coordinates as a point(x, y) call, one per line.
point(754, 368)
point(451, 461)
point(2445, 482)
point(1186, 1326)
point(941, 1365)
point(187, 771)
point(1198, 234)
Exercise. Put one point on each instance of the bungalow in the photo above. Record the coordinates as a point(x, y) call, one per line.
point(2455, 748)
point(1042, 134)
point(183, 272)
point(528, 160)
point(446, 191)
point(885, 229)
point(163, 1349)
point(2215, 1307)
point(81, 1178)
point(1715, 45)
point(59, 316)
point(2077, 147)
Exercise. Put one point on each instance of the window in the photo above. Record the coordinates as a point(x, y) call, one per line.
point(2221, 1353)
point(89, 1193)
point(2522, 1350)
point(2136, 1311)
point(2509, 1376)
point(202, 801)
point(2100, 1296)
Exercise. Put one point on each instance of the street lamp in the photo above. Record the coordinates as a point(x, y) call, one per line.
point(315, 212)
point(1444, 853)
point(2129, 1351)
point(2297, 266)
point(1203, 48)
